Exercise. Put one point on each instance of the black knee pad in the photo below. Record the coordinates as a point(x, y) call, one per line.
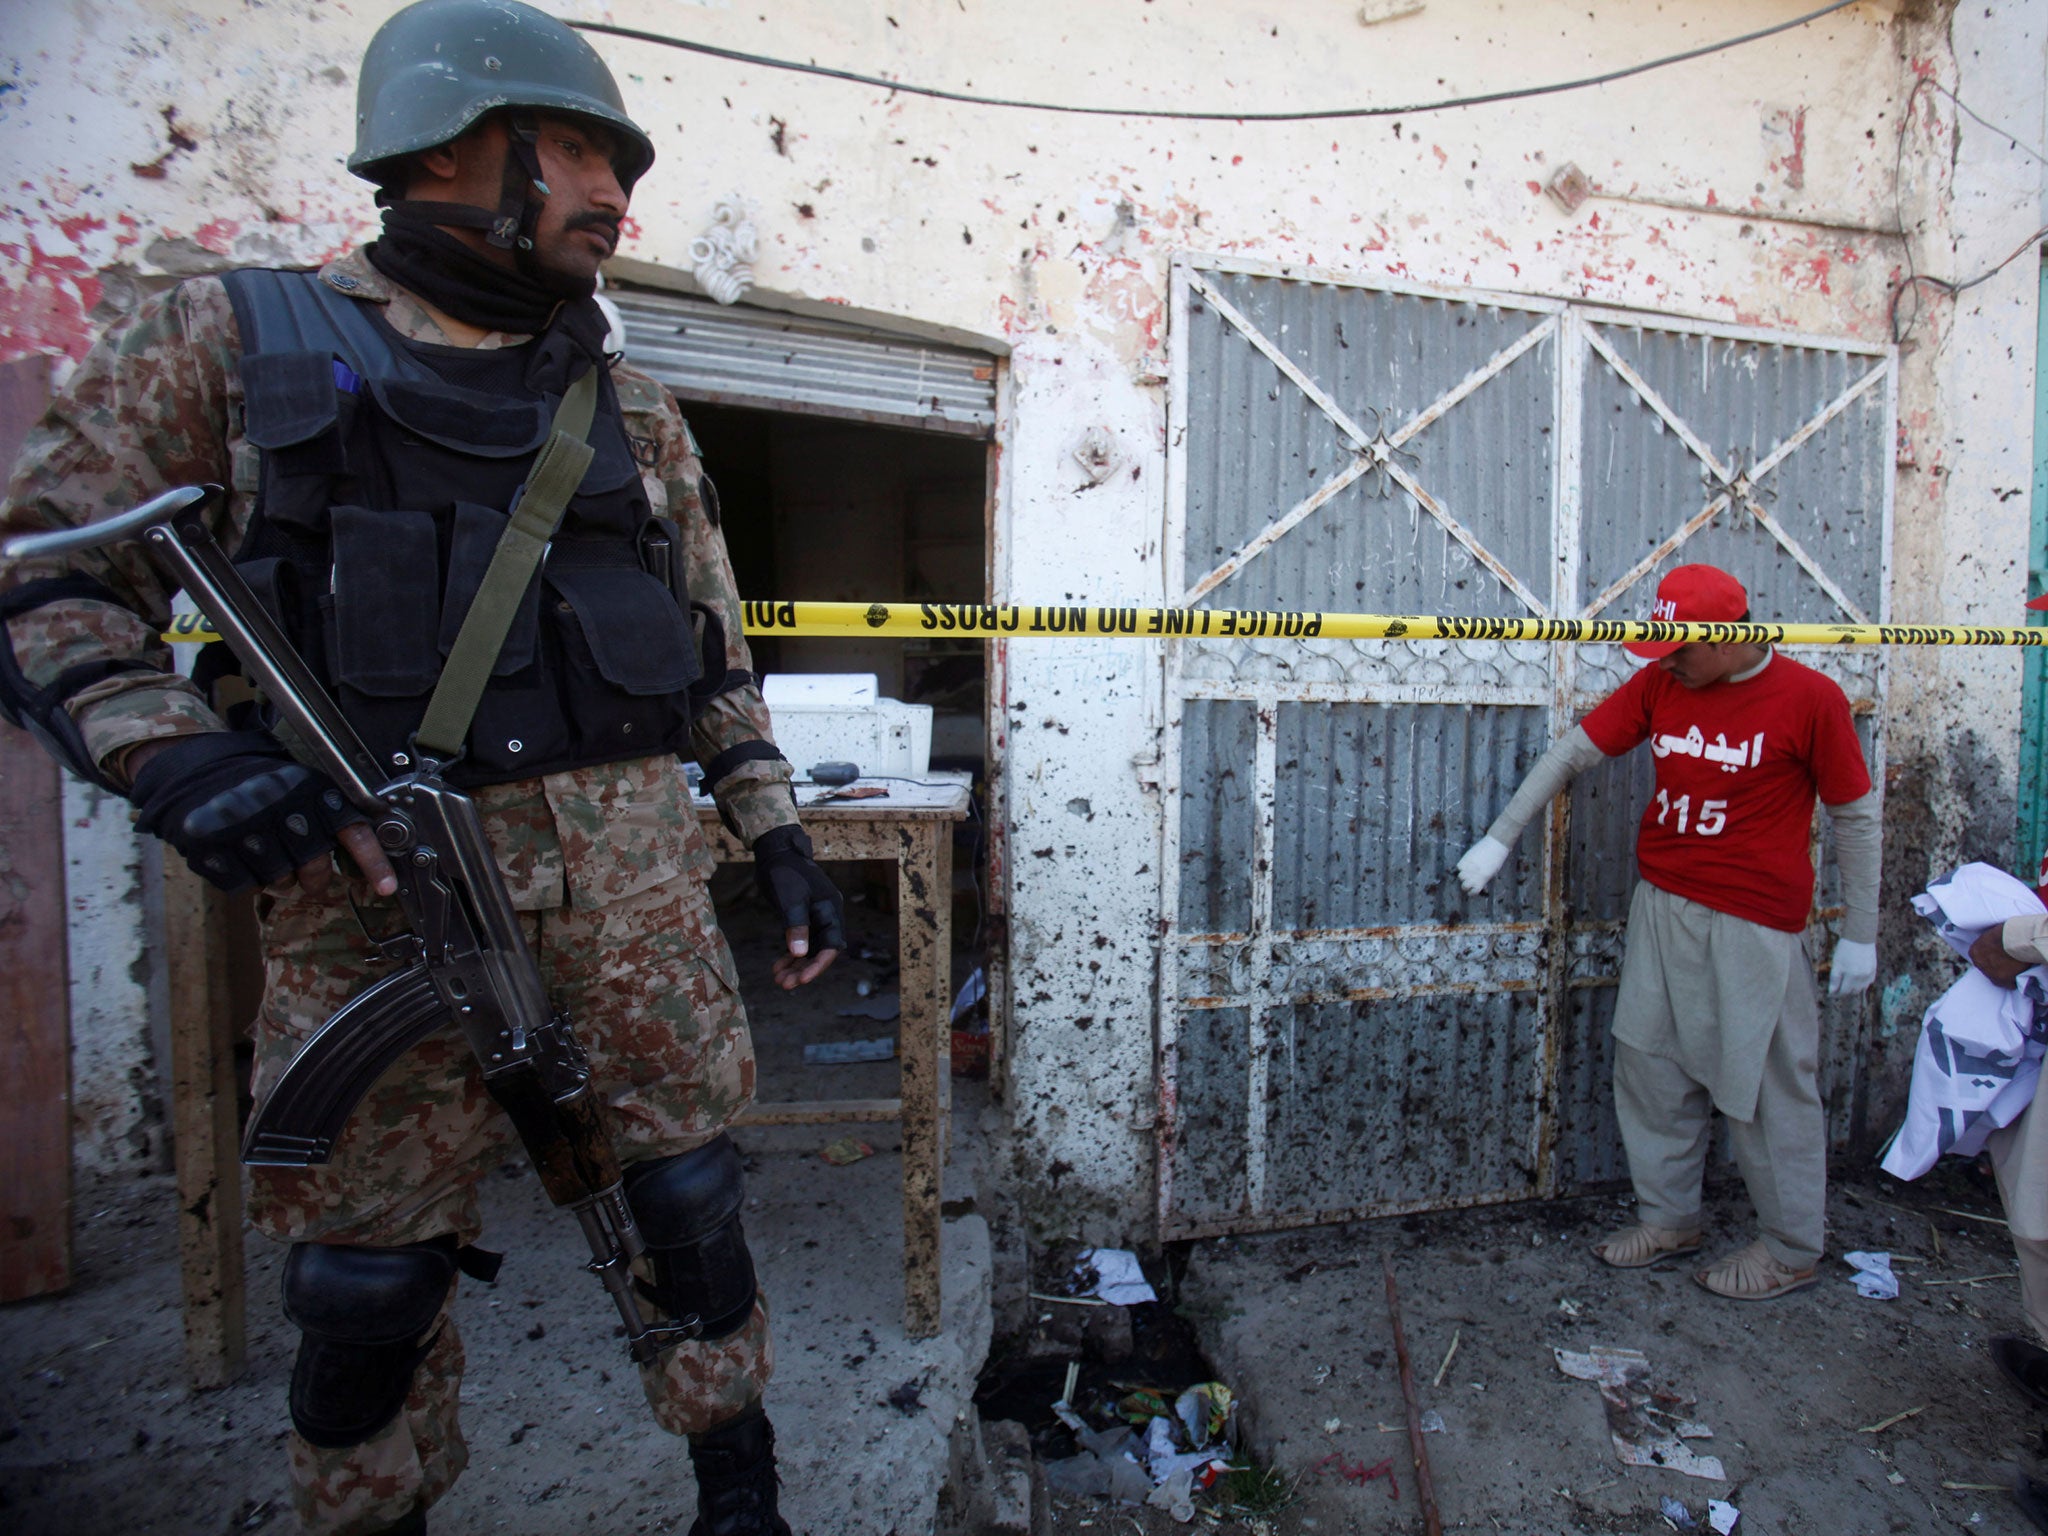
point(364, 1314)
point(688, 1209)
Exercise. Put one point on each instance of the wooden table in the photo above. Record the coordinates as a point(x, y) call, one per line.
point(912, 828)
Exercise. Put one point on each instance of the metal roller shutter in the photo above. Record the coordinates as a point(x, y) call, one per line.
point(778, 362)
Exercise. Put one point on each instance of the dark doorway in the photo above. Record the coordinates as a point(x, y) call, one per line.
point(835, 511)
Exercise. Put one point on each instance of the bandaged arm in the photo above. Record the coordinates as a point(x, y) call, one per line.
point(1858, 849)
point(1569, 756)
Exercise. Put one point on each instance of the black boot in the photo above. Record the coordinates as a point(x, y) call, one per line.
point(736, 1479)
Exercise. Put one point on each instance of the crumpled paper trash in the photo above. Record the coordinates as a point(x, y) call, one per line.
point(1873, 1277)
point(1642, 1421)
point(1102, 1469)
point(1118, 1279)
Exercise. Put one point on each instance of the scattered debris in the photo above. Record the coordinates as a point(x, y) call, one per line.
point(846, 1150)
point(1160, 1454)
point(1433, 1423)
point(1989, 1221)
point(882, 1007)
point(1641, 1419)
point(1112, 1274)
point(840, 1053)
point(1331, 1426)
point(1884, 1424)
point(1103, 1468)
point(1873, 1277)
point(1176, 1495)
point(907, 1398)
point(1721, 1516)
point(1676, 1512)
point(1449, 1355)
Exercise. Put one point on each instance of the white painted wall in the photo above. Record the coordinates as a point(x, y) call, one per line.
point(113, 885)
point(1752, 186)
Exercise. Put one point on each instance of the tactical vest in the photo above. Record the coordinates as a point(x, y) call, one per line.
point(388, 468)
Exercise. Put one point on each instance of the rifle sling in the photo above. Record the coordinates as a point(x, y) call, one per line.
point(557, 470)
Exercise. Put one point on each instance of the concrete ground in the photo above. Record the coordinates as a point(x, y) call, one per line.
point(1797, 1392)
point(99, 1432)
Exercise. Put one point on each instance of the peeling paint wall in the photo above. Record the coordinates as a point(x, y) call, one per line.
point(149, 139)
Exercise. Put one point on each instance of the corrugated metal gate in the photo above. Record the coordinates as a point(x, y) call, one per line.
point(1343, 1032)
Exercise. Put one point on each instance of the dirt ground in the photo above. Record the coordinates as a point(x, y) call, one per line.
point(1297, 1323)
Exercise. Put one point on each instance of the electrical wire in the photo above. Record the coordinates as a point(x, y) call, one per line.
point(1915, 280)
point(1325, 114)
point(2004, 133)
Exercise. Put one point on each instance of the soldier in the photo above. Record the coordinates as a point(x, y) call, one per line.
point(374, 421)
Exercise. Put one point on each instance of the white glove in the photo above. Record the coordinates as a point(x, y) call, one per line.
point(1854, 968)
point(1482, 861)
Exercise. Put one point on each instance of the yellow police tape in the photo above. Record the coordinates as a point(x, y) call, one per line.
point(1029, 621)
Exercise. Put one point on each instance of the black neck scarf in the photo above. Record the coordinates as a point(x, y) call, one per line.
point(428, 261)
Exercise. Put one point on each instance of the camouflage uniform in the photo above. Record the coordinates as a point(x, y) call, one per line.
point(606, 862)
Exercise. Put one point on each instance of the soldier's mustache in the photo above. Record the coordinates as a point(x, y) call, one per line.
point(603, 222)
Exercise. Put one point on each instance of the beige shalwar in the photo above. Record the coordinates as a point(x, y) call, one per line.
point(1716, 1012)
point(2019, 1155)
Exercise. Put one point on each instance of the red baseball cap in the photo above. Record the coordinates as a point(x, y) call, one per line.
point(1692, 594)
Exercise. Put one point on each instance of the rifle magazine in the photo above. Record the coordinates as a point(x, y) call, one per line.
point(298, 1124)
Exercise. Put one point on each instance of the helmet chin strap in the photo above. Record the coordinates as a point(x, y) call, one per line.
point(511, 226)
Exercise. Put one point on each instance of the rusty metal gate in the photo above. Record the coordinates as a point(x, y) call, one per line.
point(1343, 1032)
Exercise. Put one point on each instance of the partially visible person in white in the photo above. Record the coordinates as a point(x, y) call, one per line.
point(1717, 1008)
point(1978, 1060)
point(2019, 1156)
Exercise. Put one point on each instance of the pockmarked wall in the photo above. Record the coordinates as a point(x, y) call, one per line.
point(1789, 184)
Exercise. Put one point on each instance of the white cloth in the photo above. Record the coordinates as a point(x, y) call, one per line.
point(1981, 1045)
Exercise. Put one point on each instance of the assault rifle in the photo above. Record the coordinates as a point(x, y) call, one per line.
point(461, 958)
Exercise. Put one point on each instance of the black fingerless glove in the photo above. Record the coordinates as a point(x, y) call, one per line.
point(241, 809)
point(795, 887)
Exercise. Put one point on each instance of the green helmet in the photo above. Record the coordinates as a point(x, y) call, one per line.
point(438, 66)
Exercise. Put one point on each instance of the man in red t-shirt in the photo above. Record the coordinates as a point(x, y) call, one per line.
point(1716, 1008)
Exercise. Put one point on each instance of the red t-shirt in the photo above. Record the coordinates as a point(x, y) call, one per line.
point(1738, 766)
